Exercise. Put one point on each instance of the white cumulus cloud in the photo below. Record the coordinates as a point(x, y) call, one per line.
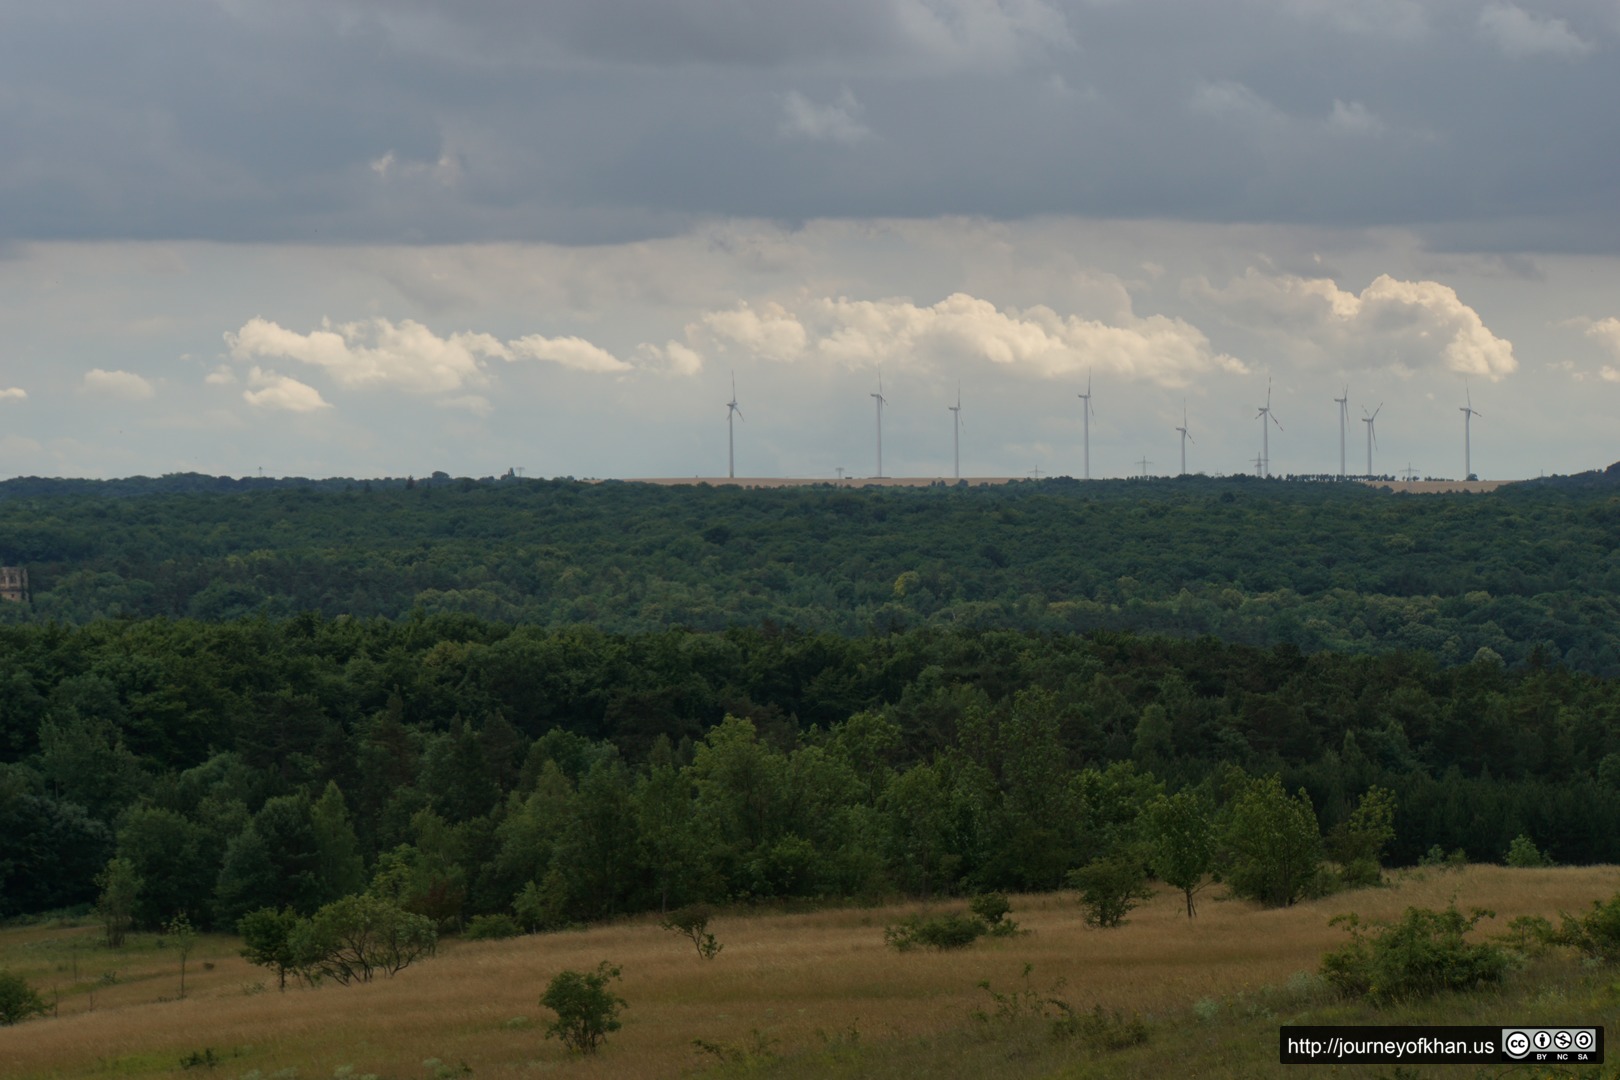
point(1607, 333)
point(770, 333)
point(119, 384)
point(570, 352)
point(374, 352)
point(13, 393)
point(272, 391)
point(1036, 341)
point(1519, 33)
point(411, 357)
point(1402, 325)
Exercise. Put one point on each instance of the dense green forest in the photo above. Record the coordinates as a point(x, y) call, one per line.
point(564, 701)
point(1530, 568)
point(482, 767)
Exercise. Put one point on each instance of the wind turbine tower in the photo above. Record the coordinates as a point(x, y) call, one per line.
point(732, 410)
point(1372, 438)
point(1085, 414)
point(1344, 418)
point(1266, 420)
point(1185, 438)
point(881, 401)
point(1469, 412)
point(956, 435)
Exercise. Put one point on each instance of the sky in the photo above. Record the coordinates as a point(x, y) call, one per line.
point(388, 237)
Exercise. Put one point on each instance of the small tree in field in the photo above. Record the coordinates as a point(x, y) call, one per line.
point(587, 1010)
point(353, 938)
point(267, 935)
point(185, 939)
point(116, 904)
point(1273, 844)
point(1181, 843)
point(693, 922)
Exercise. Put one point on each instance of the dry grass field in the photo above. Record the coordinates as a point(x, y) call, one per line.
point(810, 994)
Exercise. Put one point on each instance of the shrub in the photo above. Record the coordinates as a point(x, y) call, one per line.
point(693, 922)
point(1360, 873)
point(1530, 935)
point(1422, 954)
point(1110, 888)
point(1437, 858)
point(1523, 853)
point(18, 1001)
point(1101, 1029)
point(1597, 935)
point(586, 1009)
point(992, 907)
point(953, 931)
point(1098, 1030)
point(491, 927)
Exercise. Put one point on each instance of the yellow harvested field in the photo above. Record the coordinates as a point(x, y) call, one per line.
point(794, 979)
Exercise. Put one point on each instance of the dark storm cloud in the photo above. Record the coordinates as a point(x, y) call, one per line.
point(578, 120)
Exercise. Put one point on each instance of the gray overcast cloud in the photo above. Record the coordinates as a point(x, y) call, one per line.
point(591, 120)
point(387, 236)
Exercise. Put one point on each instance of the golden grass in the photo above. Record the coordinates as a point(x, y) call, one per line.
point(791, 980)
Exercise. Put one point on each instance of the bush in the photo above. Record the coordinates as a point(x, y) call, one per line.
point(1422, 954)
point(953, 931)
point(1437, 858)
point(693, 922)
point(18, 1001)
point(1110, 888)
point(992, 909)
point(492, 927)
point(1524, 854)
point(586, 1009)
point(1098, 1030)
point(1597, 935)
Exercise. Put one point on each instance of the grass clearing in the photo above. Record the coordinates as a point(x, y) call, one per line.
point(799, 994)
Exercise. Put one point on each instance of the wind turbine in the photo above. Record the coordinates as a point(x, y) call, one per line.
point(881, 401)
point(1085, 414)
point(1266, 419)
point(1344, 417)
point(732, 410)
point(1469, 412)
point(1185, 438)
point(1372, 439)
point(956, 435)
